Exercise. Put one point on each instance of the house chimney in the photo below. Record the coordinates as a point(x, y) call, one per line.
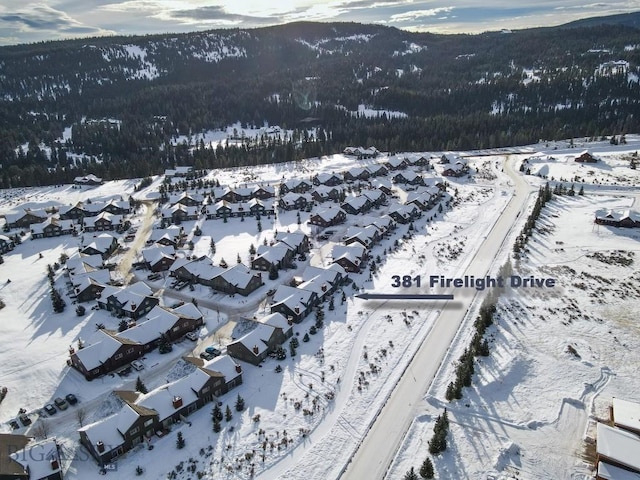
point(256, 350)
point(297, 310)
point(54, 464)
point(324, 287)
point(238, 368)
point(72, 351)
point(177, 402)
point(133, 307)
point(100, 446)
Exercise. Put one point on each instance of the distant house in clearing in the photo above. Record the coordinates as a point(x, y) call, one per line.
point(88, 180)
point(618, 218)
point(181, 171)
point(586, 157)
point(23, 458)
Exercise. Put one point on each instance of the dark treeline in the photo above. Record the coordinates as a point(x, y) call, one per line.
point(128, 98)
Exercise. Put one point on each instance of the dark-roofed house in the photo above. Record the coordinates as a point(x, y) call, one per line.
point(328, 217)
point(103, 244)
point(296, 240)
point(328, 179)
point(158, 258)
point(278, 256)
point(237, 279)
point(24, 458)
point(72, 212)
point(294, 201)
point(408, 177)
point(294, 303)
point(356, 205)
point(262, 192)
point(324, 193)
point(283, 328)
point(350, 257)
point(618, 218)
point(112, 436)
point(586, 157)
point(295, 185)
point(106, 353)
point(356, 173)
point(396, 163)
point(132, 301)
point(254, 346)
point(52, 227)
point(6, 244)
point(90, 179)
point(25, 218)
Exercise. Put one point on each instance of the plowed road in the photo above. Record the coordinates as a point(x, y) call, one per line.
point(376, 451)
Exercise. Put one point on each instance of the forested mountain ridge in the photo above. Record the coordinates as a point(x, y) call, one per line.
point(453, 92)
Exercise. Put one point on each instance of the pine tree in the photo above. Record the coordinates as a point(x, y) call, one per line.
point(180, 443)
point(212, 247)
point(273, 272)
point(123, 325)
point(239, 404)
point(140, 386)
point(331, 305)
point(238, 259)
point(216, 426)
point(305, 338)
point(581, 191)
point(252, 249)
point(411, 475)
point(426, 470)
point(227, 414)
point(217, 413)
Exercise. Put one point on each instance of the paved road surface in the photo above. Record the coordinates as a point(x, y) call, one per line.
point(378, 448)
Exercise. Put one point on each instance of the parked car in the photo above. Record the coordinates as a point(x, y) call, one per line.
point(271, 292)
point(213, 351)
point(14, 424)
point(137, 364)
point(25, 420)
point(50, 409)
point(193, 336)
point(61, 403)
point(207, 356)
point(71, 398)
point(153, 276)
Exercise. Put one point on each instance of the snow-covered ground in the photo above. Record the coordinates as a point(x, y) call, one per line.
point(531, 408)
point(529, 399)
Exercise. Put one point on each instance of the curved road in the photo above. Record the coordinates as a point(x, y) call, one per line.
point(378, 448)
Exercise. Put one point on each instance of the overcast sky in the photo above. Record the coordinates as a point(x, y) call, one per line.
point(24, 21)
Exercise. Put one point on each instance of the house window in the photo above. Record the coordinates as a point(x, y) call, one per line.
point(133, 431)
point(175, 329)
point(205, 390)
point(129, 351)
point(148, 422)
point(118, 356)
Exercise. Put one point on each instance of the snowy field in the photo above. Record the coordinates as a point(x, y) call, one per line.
point(531, 409)
point(528, 391)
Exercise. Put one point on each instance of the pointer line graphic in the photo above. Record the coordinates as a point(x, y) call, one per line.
point(402, 296)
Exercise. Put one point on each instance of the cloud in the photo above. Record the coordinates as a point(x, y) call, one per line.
point(41, 17)
point(414, 15)
point(220, 15)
